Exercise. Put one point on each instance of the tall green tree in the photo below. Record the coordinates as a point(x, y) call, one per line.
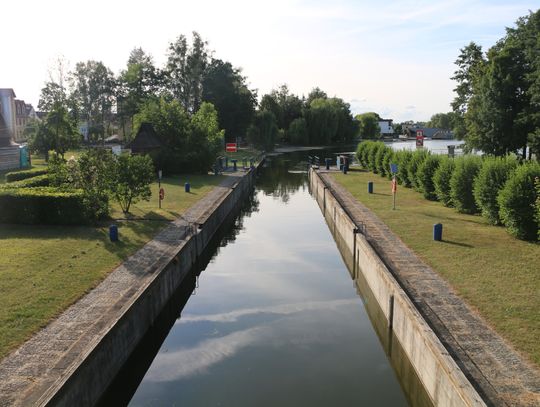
point(369, 125)
point(226, 88)
point(263, 132)
point(131, 180)
point(94, 90)
point(185, 69)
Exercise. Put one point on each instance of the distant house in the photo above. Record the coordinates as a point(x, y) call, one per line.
point(145, 141)
point(24, 112)
point(386, 128)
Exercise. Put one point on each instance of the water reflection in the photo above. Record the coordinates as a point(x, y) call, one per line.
point(275, 320)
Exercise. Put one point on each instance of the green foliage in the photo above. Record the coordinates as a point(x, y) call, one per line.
point(37, 181)
point(132, 179)
point(373, 154)
point(362, 153)
point(42, 206)
point(462, 182)
point(489, 181)
point(445, 121)
point(298, 133)
point(517, 202)
point(20, 175)
point(425, 174)
point(190, 144)
point(441, 180)
point(379, 160)
point(417, 158)
point(369, 125)
point(403, 157)
point(225, 87)
point(263, 132)
point(388, 158)
point(537, 203)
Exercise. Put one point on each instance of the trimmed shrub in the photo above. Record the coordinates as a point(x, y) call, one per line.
point(403, 157)
point(489, 181)
point(21, 175)
point(372, 156)
point(416, 160)
point(462, 181)
point(379, 160)
point(389, 157)
point(38, 181)
point(361, 153)
point(517, 199)
point(42, 206)
point(441, 180)
point(424, 176)
point(537, 204)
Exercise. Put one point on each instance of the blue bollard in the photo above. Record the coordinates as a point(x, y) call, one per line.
point(327, 161)
point(187, 187)
point(345, 169)
point(437, 232)
point(370, 187)
point(234, 164)
point(113, 233)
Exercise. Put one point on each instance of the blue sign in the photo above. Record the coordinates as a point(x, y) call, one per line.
point(393, 168)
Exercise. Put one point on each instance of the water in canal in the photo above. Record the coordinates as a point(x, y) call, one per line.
point(274, 318)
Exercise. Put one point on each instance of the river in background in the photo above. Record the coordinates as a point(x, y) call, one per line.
point(271, 318)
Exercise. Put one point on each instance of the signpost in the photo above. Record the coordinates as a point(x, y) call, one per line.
point(419, 138)
point(161, 196)
point(160, 189)
point(394, 170)
point(231, 147)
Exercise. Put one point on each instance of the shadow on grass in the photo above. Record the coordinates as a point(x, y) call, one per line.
point(457, 243)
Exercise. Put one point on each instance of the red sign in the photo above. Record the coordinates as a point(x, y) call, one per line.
point(419, 138)
point(230, 147)
point(161, 194)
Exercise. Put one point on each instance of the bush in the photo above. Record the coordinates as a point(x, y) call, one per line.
point(21, 175)
point(372, 157)
point(441, 180)
point(424, 176)
point(298, 132)
point(403, 157)
point(387, 160)
point(517, 199)
point(537, 204)
point(462, 181)
point(37, 181)
point(379, 160)
point(489, 181)
point(361, 153)
point(42, 206)
point(418, 157)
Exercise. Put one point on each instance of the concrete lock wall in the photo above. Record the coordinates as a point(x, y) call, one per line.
point(89, 378)
point(442, 379)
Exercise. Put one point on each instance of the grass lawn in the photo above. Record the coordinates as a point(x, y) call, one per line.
point(494, 272)
point(44, 269)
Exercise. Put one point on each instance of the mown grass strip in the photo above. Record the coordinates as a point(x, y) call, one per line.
point(495, 273)
point(44, 269)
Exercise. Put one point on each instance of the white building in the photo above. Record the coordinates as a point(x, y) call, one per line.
point(386, 127)
point(7, 108)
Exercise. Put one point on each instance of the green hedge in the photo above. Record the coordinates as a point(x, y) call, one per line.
point(37, 181)
point(488, 183)
point(372, 156)
point(389, 158)
point(517, 200)
point(403, 157)
point(43, 205)
point(362, 152)
point(425, 174)
point(21, 175)
point(462, 182)
point(417, 158)
point(441, 180)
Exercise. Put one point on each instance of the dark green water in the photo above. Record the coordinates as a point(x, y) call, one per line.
point(275, 319)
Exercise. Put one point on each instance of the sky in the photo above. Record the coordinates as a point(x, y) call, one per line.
point(392, 57)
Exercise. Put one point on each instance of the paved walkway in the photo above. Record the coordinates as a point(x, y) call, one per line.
point(499, 374)
point(28, 373)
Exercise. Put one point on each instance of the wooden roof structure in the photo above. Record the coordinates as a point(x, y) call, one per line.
point(145, 141)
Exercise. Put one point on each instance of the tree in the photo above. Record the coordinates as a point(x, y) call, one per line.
point(445, 121)
point(322, 122)
point(298, 133)
point(131, 180)
point(369, 125)
point(316, 93)
point(185, 70)
point(94, 89)
point(226, 89)
point(264, 130)
point(139, 82)
point(57, 133)
point(470, 64)
point(206, 139)
point(54, 91)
